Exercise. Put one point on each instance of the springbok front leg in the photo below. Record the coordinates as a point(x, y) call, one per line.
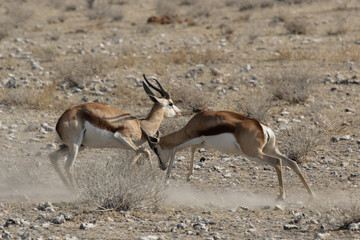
point(128, 143)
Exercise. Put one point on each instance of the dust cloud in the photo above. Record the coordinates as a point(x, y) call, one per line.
point(189, 195)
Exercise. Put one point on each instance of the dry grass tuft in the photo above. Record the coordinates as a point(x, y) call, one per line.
point(30, 97)
point(300, 141)
point(103, 10)
point(45, 54)
point(17, 13)
point(198, 56)
point(77, 72)
point(166, 8)
point(289, 54)
point(119, 186)
point(188, 99)
point(293, 86)
point(298, 25)
point(257, 106)
point(349, 52)
point(339, 30)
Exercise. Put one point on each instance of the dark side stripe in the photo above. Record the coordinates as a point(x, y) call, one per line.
point(216, 130)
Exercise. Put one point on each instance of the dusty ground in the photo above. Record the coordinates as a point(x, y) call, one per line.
point(214, 54)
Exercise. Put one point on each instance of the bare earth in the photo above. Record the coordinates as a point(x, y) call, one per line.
point(218, 55)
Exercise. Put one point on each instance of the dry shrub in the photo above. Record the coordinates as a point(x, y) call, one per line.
point(298, 25)
point(173, 124)
point(339, 30)
point(45, 54)
point(166, 8)
point(127, 60)
point(347, 215)
point(343, 213)
point(290, 2)
point(293, 86)
point(200, 9)
point(349, 52)
point(103, 10)
point(300, 141)
point(16, 14)
point(247, 5)
point(5, 26)
point(119, 186)
point(77, 72)
point(182, 55)
point(289, 54)
point(30, 97)
point(18, 11)
point(197, 56)
point(257, 106)
point(188, 99)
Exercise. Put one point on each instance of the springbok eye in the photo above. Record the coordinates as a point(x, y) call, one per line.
point(171, 104)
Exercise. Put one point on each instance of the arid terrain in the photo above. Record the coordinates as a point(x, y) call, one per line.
point(293, 64)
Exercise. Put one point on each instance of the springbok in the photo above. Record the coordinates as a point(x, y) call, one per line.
point(228, 132)
point(96, 125)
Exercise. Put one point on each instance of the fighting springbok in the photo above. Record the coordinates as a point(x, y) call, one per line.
point(228, 132)
point(96, 125)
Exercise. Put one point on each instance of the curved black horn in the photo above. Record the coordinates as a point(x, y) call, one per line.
point(148, 90)
point(161, 90)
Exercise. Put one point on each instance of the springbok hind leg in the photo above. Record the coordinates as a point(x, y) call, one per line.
point(191, 165)
point(295, 167)
point(73, 151)
point(54, 159)
point(277, 164)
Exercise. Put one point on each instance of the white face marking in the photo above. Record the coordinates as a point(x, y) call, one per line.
point(170, 109)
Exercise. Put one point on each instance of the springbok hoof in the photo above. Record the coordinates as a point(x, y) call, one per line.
point(280, 198)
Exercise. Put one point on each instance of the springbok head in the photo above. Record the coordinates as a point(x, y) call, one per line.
point(165, 100)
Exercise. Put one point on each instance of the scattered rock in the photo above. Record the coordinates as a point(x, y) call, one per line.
point(46, 206)
point(354, 226)
point(6, 235)
point(279, 207)
point(200, 227)
point(150, 237)
point(85, 225)
point(58, 219)
point(47, 127)
point(322, 236)
point(196, 72)
point(215, 71)
point(11, 221)
point(290, 227)
point(181, 225)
